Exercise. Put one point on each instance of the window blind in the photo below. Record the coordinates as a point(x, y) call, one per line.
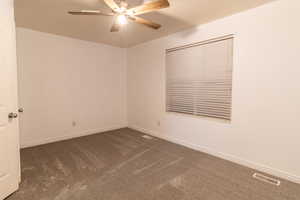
point(199, 78)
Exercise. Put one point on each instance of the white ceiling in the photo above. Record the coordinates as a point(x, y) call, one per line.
point(51, 16)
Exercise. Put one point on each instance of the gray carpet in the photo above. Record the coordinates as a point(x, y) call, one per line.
point(122, 165)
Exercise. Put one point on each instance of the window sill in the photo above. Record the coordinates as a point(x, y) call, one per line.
point(200, 117)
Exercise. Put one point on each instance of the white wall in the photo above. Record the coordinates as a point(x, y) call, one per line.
point(264, 132)
point(62, 80)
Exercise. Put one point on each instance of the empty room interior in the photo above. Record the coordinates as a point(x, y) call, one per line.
point(149, 100)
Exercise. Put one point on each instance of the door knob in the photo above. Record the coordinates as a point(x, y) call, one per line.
point(12, 115)
point(20, 110)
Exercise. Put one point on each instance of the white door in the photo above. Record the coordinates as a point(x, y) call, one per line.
point(9, 140)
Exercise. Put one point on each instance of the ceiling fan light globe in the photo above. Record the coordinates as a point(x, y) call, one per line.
point(122, 20)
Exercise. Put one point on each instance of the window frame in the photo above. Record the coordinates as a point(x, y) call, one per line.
point(191, 45)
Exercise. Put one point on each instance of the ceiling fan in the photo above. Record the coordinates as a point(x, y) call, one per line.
point(123, 13)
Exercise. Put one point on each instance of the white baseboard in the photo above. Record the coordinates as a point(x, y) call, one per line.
point(250, 164)
point(32, 143)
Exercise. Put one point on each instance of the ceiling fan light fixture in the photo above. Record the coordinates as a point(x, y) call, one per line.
point(130, 13)
point(122, 20)
point(122, 9)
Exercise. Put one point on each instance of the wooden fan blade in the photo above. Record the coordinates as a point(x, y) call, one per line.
point(145, 22)
point(149, 7)
point(113, 5)
point(115, 27)
point(89, 12)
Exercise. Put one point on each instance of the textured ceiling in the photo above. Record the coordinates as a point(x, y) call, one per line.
point(51, 16)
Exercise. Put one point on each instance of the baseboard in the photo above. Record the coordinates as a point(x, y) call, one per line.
point(69, 136)
point(253, 165)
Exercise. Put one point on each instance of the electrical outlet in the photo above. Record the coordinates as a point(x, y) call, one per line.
point(74, 123)
point(158, 123)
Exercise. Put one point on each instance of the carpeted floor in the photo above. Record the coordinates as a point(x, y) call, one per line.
point(122, 165)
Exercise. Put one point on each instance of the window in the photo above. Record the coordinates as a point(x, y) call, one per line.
point(199, 78)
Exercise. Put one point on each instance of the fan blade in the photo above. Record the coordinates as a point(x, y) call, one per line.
point(145, 22)
point(89, 12)
point(148, 7)
point(113, 5)
point(115, 27)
